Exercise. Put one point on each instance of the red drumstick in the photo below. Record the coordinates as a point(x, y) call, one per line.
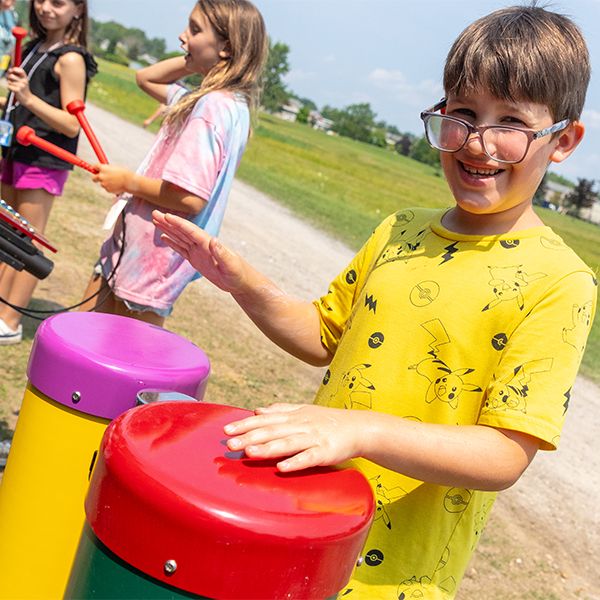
point(76, 108)
point(26, 136)
point(19, 33)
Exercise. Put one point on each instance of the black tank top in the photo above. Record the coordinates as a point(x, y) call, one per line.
point(45, 84)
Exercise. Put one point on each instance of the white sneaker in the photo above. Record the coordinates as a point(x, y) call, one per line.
point(10, 336)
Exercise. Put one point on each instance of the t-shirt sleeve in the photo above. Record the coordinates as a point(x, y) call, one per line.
point(196, 161)
point(530, 390)
point(335, 307)
point(175, 92)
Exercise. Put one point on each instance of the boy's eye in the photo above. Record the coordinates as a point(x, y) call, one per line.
point(462, 113)
point(513, 121)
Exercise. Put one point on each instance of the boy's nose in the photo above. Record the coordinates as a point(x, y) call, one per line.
point(474, 143)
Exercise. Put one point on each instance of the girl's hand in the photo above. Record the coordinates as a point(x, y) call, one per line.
point(307, 435)
point(113, 179)
point(220, 266)
point(18, 83)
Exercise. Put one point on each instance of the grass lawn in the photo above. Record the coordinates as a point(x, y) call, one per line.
point(341, 186)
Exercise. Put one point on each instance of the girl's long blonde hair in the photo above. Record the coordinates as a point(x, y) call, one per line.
point(241, 26)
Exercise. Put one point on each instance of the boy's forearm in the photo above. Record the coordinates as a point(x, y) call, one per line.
point(469, 456)
point(291, 324)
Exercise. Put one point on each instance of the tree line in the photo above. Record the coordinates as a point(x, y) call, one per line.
point(118, 43)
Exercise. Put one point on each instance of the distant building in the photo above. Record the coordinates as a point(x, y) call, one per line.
point(318, 121)
point(289, 112)
point(555, 197)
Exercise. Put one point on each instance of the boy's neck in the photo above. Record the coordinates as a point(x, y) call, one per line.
point(514, 219)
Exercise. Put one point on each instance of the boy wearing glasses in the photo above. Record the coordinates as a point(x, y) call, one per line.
point(453, 337)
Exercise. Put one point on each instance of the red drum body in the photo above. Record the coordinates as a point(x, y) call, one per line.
point(169, 498)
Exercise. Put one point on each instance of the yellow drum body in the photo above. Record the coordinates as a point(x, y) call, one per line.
point(85, 369)
point(42, 502)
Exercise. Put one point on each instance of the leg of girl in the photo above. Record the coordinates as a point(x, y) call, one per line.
point(17, 287)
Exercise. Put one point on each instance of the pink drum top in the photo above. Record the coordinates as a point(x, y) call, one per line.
point(167, 490)
point(96, 363)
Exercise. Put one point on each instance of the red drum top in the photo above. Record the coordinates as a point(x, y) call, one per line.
point(170, 499)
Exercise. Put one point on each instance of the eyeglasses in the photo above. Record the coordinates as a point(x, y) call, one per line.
point(500, 142)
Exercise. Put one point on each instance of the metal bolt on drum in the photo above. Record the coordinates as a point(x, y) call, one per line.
point(170, 567)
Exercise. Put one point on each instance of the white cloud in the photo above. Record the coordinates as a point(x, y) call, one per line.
point(591, 118)
point(419, 94)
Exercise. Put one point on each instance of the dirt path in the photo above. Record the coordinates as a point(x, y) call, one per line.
point(544, 535)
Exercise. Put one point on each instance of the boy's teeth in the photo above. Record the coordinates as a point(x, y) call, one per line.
point(484, 172)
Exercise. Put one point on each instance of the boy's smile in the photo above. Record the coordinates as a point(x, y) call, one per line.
point(491, 191)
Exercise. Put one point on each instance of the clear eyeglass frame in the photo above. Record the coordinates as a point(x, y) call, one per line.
point(530, 134)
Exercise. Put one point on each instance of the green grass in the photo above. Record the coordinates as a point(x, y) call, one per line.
point(343, 187)
point(115, 90)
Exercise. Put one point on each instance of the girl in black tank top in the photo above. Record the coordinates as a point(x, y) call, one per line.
point(55, 70)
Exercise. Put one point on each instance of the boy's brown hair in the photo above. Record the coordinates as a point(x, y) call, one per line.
point(522, 53)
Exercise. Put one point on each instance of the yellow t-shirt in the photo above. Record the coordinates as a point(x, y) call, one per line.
point(439, 327)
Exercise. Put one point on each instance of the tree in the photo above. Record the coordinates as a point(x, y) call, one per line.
point(275, 94)
point(582, 196)
point(403, 145)
point(302, 116)
point(540, 194)
point(423, 152)
point(356, 121)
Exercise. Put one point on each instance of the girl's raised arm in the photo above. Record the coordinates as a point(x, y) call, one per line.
point(156, 78)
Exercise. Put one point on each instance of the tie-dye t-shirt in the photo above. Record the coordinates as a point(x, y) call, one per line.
point(439, 327)
point(201, 158)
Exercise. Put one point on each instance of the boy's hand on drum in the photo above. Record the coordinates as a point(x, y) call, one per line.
point(307, 435)
point(113, 179)
point(206, 254)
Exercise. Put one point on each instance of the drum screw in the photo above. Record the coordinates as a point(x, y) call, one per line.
point(76, 397)
point(359, 561)
point(170, 567)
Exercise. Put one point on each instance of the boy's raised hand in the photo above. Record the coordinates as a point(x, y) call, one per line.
point(307, 435)
point(206, 254)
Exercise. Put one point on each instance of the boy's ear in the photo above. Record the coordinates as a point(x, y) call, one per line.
point(567, 141)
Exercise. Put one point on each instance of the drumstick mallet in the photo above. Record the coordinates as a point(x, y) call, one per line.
point(19, 33)
point(26, 136)
point(76, 107)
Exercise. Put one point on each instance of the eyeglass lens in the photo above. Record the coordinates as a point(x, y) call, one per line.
point(500, 143)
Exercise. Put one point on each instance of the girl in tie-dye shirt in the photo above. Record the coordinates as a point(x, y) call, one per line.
point(190, 167)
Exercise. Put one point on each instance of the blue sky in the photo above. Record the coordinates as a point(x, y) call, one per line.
point(389, 53)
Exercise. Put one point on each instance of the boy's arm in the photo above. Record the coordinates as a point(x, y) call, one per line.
point(471, 456)
point(116, 180)
point(291, 324)
point(156, 78)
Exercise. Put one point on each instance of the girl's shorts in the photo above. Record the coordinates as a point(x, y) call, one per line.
point(28, 177)
point(132, 306)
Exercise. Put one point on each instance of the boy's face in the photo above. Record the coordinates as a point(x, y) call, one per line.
point(484, 186)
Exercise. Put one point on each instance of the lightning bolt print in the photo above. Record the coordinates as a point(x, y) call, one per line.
point(450, 250)
point(439, 334)
point(567, 396)
point(371, 303)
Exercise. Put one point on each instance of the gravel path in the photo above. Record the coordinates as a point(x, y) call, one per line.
point(555, 503)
